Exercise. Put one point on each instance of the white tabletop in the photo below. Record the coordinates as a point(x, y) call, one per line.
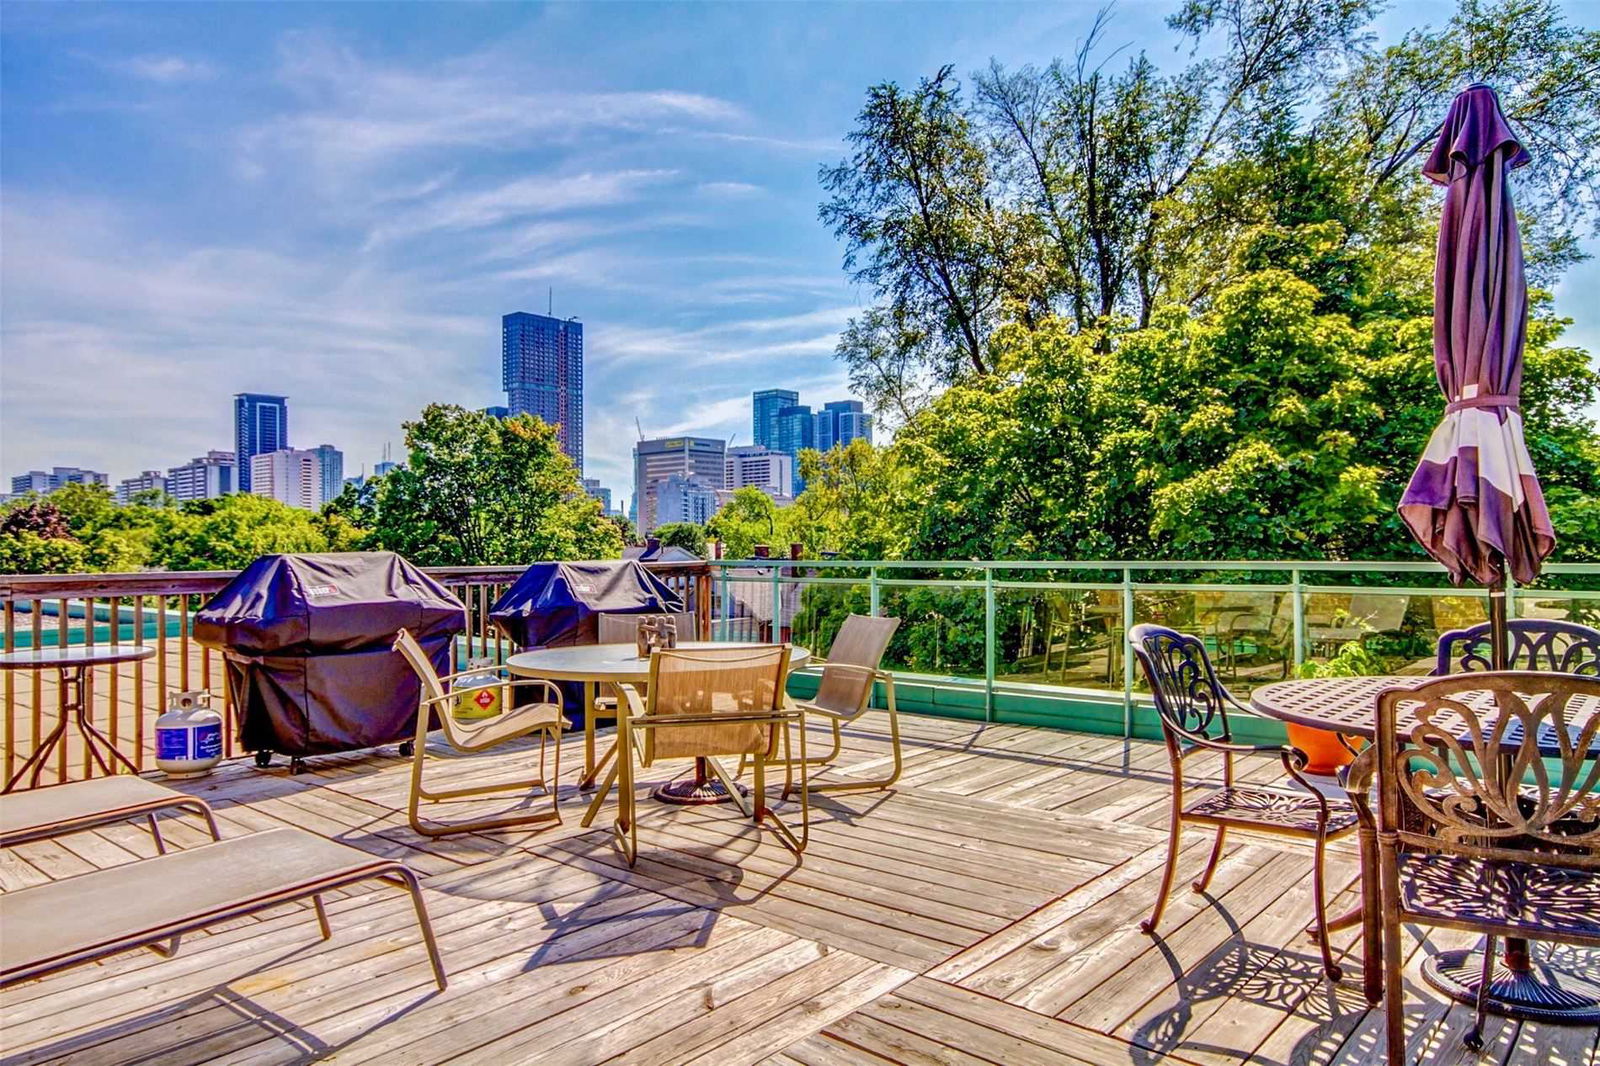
point(617, 664)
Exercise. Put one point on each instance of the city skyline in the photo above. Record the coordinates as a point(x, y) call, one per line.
point(322, 202)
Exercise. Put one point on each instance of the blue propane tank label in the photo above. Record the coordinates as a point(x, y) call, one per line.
point(172, 743)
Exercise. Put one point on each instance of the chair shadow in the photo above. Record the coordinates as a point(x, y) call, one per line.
point(1285, 980)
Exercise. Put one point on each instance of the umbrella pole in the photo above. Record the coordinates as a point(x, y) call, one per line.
point(1499, 630)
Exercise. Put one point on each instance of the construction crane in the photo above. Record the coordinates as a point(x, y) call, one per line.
point(638, 427)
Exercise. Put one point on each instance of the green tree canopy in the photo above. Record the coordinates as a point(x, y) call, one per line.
point(479, 490)
point(690, 536)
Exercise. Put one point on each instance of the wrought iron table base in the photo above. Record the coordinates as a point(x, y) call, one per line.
point(1546, 991)
point(701, 788)
point(72, 704)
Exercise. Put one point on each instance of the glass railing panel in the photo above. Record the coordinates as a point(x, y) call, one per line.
point(1055, 634)
point(820, 606)
point(941, 629)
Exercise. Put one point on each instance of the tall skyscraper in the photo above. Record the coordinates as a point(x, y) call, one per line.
point(330, 462)
point(840, 422)
point(797, 429)
point(213, 474)
point(260, 425)
point(699, 459)
point(764, 408)
point(684, 499)
point(542, 372)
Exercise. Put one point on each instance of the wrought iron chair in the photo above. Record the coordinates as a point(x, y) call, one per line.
point(543, 718)
point(1536, 644)
point(1488, 815)
point(850, 673)
point(703, 703)
point(1193, 706)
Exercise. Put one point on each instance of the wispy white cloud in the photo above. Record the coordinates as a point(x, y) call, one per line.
point(166, 69)
point(727, 188)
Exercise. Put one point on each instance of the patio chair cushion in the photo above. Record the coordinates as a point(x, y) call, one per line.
point(1556, 902)
point(44, 812)
point(96, 912)
point(1272, 808)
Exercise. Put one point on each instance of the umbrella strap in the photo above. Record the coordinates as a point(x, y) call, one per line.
point(1486, 400)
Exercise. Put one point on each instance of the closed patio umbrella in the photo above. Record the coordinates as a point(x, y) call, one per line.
point(1474, 500)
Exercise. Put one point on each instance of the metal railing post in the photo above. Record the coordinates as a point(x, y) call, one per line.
point(727, 606)
point(872, 592)
point(1127, 660)
point(1299, 595)
point(988, 644)
point(777, 608)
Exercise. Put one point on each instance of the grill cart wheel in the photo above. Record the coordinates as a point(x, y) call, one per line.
point(263, 759)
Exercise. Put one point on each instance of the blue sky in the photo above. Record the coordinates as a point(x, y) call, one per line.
point(338, 202)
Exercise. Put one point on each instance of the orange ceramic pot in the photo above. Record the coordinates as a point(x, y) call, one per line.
point(1322, 747)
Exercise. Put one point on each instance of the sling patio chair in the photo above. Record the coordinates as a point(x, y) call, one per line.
point(1193, 706)
point(702, 704)
point(152, 904)
point(468, 735)
point(59, 809)
point(850, 673)
point(615, 628)
point(1488, 816)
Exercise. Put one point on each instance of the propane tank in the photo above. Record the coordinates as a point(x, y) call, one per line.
point(189, 735)
point(478, 695)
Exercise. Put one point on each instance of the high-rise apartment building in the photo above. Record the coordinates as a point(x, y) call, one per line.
point(764, 408)
point(330, 462)
point(260, 425)
point(654, 461)
point(147, 481)
point(541, 362)
point(770, 471)
point(42, 482)
point(840, 422)
point(592, 486)
point(685, 499)
point(797, 429)
point(205, 477)
point(289, 476)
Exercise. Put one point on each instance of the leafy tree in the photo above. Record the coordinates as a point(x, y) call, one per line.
point(690, 536)
point(39, 516)
point(483, 490)
point(750, 517)
point(230, 532)
point(23, 551)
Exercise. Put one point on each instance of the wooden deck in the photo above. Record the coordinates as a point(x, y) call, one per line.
point(983, 912)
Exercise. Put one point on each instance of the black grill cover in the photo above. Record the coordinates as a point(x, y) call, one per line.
point(554, 604)
point(307, 641)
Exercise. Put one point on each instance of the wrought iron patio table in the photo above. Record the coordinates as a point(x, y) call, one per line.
point(620, 664)
point(1348, 706)
point(72, 702)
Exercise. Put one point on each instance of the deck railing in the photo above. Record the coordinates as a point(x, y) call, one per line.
point(1051, 628)
point(44, 610)
point(1058, 626)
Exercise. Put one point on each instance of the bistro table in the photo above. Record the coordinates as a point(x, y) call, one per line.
point(1349, 706)
point(72, 701)
point(619, 664)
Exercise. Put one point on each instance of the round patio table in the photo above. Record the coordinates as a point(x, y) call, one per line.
point(1349, 705)
point(619, 664)
point(72, 701)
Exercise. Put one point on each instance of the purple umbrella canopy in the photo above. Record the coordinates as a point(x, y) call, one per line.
point(1474, 501)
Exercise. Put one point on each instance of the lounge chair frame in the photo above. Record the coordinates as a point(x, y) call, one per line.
point(544, 719)
point(88, 817)
point(860, 638)
point(164, 938)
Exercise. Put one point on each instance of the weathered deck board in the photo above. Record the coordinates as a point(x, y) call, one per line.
point(984, 911)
